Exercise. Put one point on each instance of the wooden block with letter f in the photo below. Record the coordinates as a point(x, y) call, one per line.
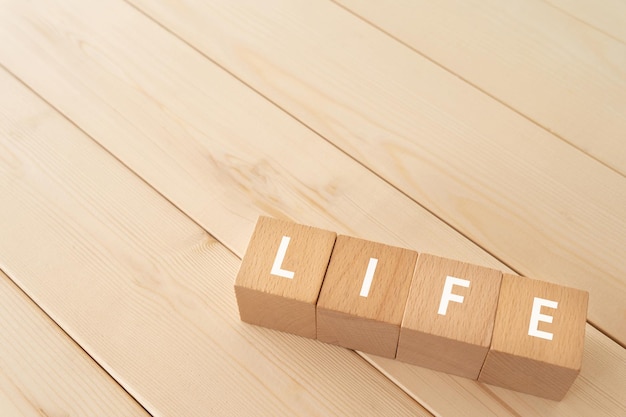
point(281, 275)
point(363, 296)
point(538, 338)
point(449, 317)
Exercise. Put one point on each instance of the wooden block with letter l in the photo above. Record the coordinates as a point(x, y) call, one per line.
point(363, 296)
point(281, 275)
point(449, 317)
point(538, 337)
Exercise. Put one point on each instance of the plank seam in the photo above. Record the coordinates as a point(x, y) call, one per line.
point(66, 117)
point(3, 270)
point(570, 15)
point(479, 89)
point(601, 330)
point(387, 375)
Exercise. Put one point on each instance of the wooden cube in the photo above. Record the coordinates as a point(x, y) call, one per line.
point(449, 317)
point(362, 300)
point(538, 338)
point(281, 275)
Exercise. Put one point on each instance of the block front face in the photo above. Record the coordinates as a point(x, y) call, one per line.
point(449, 317)
point(538, 338)
point(281, 275)
point(363, 297)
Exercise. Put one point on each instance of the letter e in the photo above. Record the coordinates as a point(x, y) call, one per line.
point(536, 317)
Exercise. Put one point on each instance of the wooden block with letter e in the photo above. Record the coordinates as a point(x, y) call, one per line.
point(537, 344)
point(449, 316)
point(363, 297)
point(281, 275)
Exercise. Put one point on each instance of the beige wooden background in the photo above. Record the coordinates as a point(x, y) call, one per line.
point(140, 140)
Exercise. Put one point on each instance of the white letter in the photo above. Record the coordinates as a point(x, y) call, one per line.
point(277, 268)
point(369, 275)
point(536, 317)
point(447, 295)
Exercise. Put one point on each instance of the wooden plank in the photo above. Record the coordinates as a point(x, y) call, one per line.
point(146, 292)
point(608, 16)
point(234, 156)
point(44, 373)
point(526, 196)
point(552, 68)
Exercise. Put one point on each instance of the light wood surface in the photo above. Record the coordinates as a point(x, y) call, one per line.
point(45, 373)
point(606, 16)
point(453, 339)
point(352, 132)
point(561, 74)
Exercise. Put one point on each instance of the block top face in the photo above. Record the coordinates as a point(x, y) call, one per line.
point(345, 289)
point(560, 315)
point(464, 310)
point(306, 253)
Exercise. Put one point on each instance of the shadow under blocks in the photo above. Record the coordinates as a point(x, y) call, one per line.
point(468, 320)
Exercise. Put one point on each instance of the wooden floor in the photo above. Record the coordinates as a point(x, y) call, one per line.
point(140, 140)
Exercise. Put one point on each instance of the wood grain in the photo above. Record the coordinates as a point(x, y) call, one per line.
point(179, 125)
point(515, 189)
point(44, 373)
point(561, 73)
point(608, 16)
point(146, 292)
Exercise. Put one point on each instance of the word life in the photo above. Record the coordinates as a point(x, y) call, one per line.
point(443, 314)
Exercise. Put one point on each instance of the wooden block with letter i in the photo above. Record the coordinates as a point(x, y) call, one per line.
point(538, 338)
point(281, 275)
point(449, 316)
point(362, 300)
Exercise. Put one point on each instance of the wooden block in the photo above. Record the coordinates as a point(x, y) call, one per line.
point(537, 344)
point(281, 275)
point(449, 317)
point(363, 296)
